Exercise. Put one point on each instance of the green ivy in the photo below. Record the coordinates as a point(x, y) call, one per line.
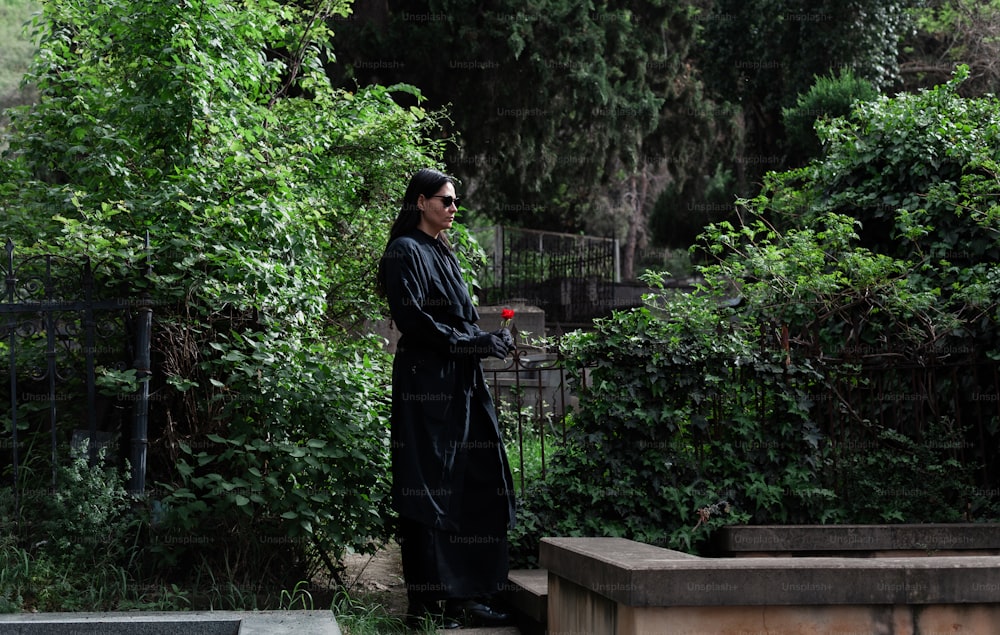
point(685, 423)
point(847, 285)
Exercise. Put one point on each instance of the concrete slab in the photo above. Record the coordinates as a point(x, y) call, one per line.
point(172, 623)
point(505, 630)
point(607, 585)
point(527, 592)
point(643, 575)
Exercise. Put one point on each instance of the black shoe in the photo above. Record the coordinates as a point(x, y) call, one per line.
point(472, 613)
point(418, 616)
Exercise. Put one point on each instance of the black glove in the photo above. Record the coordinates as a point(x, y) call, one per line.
point(489, 345)
point(507, 338)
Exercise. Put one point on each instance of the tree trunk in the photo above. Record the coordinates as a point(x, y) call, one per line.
point(635, 236)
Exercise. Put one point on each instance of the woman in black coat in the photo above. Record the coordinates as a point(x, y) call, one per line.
point(451, 483)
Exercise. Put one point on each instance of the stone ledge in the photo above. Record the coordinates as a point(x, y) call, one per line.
point(173, 623)
point(639, 575)
point(527, 593)
point(983, 538)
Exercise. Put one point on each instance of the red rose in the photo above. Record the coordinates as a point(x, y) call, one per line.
point(506, 315)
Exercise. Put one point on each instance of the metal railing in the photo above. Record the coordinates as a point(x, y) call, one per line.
point(571, 277)
point(61, 320)
point(534, 401)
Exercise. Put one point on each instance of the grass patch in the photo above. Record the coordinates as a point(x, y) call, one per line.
point(366, 615)
point(530, 451)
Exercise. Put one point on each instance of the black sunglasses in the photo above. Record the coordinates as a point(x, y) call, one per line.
point(447, 200)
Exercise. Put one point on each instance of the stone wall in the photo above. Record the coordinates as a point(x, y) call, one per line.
point(615, 586)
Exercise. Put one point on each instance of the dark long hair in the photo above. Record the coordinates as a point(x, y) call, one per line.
point(426, 181)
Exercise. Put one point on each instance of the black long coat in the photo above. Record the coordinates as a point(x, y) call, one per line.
point(438, 387)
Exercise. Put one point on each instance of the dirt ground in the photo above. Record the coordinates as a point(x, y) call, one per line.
point(378, 577)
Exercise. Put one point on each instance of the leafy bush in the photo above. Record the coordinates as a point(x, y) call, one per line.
point(821, 372)
point(72, 545)
point(907, 169)
point(85, 517)
point(915, 284)
point(828, 97)
point(685, 422)
point(897, 478)
point(267, 195)
point(301, 471)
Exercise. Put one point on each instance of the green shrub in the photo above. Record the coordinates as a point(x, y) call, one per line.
point(898, 478)
point(859, 291)
point(267, 195)
point(85, 517)
point(828, 97)
point(685, 422)
point(301, 473)
point(911, 286)
point(71, 543)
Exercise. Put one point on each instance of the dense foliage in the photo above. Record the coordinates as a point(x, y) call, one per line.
point(833, 365)
point(267, 195)
point(829, 97)
point(572, 115)
point(762, 54)
point(575, 116)
point(686, 421)
point(950, 33)
point(916, 176)
point(643, 119)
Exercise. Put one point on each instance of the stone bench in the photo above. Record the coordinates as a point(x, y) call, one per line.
point(617, 586)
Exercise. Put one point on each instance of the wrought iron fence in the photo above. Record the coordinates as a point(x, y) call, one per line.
point(534, 402)
point(951, 407)
point(64, 319)
point(571, 277)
